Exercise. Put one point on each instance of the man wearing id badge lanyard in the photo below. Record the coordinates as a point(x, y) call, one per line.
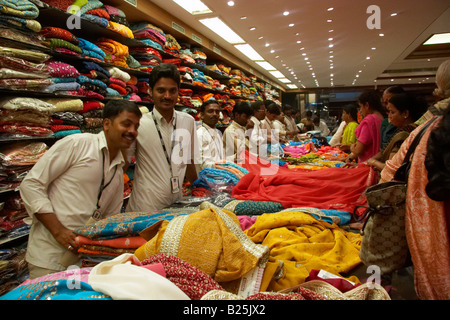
point(166, 146)
point(78, 179)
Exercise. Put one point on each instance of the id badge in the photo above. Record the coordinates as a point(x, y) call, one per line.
point(174, 184)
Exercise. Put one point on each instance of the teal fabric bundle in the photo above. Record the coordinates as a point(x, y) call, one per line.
point(250, 208)
point(19, 8)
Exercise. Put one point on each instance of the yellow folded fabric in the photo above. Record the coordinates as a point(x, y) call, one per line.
point(212, 241)
point(299, 243)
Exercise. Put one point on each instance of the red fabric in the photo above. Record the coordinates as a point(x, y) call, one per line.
point(333, 188)
point(341, 284)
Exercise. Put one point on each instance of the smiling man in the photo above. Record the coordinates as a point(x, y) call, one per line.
point(61, 191)
point(165, 148)
point(209, 137)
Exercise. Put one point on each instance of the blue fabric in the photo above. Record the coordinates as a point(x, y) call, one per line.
point(55, 290)
point(96, 19)
point(344, 216)
point(83, 79)
point(64, 133)
point(63, 86)
point(89, 46)
point(152, 43)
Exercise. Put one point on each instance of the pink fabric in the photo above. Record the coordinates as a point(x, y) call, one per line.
point(368, 133)
point(80, 274)
point(246, 222)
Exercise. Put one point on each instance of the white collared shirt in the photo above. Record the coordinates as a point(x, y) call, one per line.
point(211, 147)
point(234, 142)
point(152, 188)
point(66, 181)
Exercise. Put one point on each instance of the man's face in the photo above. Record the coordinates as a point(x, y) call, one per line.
point(211, 114)
point(261, 113)
point(242, 119)
point(165, 94)
point(123, 130)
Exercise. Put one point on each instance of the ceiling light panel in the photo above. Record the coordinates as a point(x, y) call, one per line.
point(249, 51)
point(439, 38)
point(219, 27)
point(194, 7)
point(277, 74)
point(267, 66)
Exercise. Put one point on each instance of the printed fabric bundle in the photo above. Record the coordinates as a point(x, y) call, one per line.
point(91, 50)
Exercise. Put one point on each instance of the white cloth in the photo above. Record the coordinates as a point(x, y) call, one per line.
point(290, 124)
point(234, 142)
point(152, 189)
point(323, 128)
point(66, 181)
point(337, 137)
point(122, 280)
point(257, 138)
point(210, 146)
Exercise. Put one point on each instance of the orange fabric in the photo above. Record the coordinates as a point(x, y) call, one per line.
point(425, 222)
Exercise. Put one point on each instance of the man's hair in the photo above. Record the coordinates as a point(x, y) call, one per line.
point(274, 109)
point(309, 113)
point(114, 107)
point(395, 90)
point(256, 106)
point(164, 70)
point(243, 107)
point(207, 103)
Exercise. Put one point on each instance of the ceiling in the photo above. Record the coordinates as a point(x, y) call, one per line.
point(360, 56)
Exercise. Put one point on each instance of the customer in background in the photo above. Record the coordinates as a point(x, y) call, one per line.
point(387, 128)
point(368, 132)
point(165, 148)
point(61, 191)
point(274, 131)
point(255, 136)
point(209, 137)
point(306, 124)
point(234, 140)
point(321, 126)
point(289, 120)
point(427, 219)
point(349, 116)
point(403, 110)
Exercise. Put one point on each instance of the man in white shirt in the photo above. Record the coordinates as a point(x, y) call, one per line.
point(321, 126)
point(62, 190)
point(234, 136)
point(256, 138)
point(165, 148)
point(290, 121)
point(209, 137)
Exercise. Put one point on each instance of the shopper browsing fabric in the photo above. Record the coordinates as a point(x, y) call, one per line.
point(387, 128)
point(165, 148)
point(61, 192)
point(289, 120)
point(403, 110)
point(368, 131)
point(273, 133)
point(256, 138)
point(350, 116)
point(427, 214)
point(234, 141)
point(209, 137)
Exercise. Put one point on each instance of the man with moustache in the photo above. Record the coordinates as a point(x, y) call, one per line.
point(165, 148)
point(80, 177)
point(209, 137)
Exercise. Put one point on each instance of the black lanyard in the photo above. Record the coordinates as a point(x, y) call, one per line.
point(162, 141)
point(104, 186)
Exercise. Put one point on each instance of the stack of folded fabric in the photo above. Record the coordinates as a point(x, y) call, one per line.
point(21, 74)
point(117, 82)
point(199, 56)
point(91, 51)
point(20, 14)
point(115, 235)
point(98, 15)
point(63, 77)
point(13, 269)
point(92, 115)
point(65, 106)
point(116, 52)
point(92, 85)
point(199, 78)
point(186, 53)
point(61, 40)
point(225, 70)
point(172, 46)
point(186, 74)
point(94, 71)
point(147, 57)
point(149, 34)
point(25, 117)
point(185, 97)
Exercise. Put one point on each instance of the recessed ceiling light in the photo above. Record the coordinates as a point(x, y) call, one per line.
point(330, 39)
point(248, 51)
point(368, 58)
point(230, 3)
point(331, 45)
point(260, 38)
point(302, 48)
point(299, 41)
point(291, 25)
point(272, 51)
point(219, 27)
point(303, 54)
point(381, 34)
point(252, 28)
point(394, 14)
point(438, 39)
point(331, 30)
point(330, 9)
point(329, 20)
point(267, 44)
point(267, 66)
point(286, 13)
point(193, 7)
point(243, 18)
point(374, 48)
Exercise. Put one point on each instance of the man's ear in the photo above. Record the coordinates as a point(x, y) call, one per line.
point(107, 123)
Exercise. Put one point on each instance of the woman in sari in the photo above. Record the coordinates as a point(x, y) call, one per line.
point(350, 116)
point(368, 132)
point(403, 110)
point(427, 218)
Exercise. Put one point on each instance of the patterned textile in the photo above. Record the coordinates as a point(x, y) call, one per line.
point(20, 8)
point(192, 281)
point(61, 69)
point(26, 130)
point(88, 47)
point(77, 273)
point(56, 43)
point(123, 224)
point(55, 290)
point(92, 4)
point(121, 29)
point(24, 84)
point(298, 239)
point(24, 103)
point(230, 258)
point(249, 207)
point(300, 294)
point(61, 127)
point(58, 33)
point(99, 12)
point(24, 66)
point(96, 19)
point(23, 24)
point(66, 104)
